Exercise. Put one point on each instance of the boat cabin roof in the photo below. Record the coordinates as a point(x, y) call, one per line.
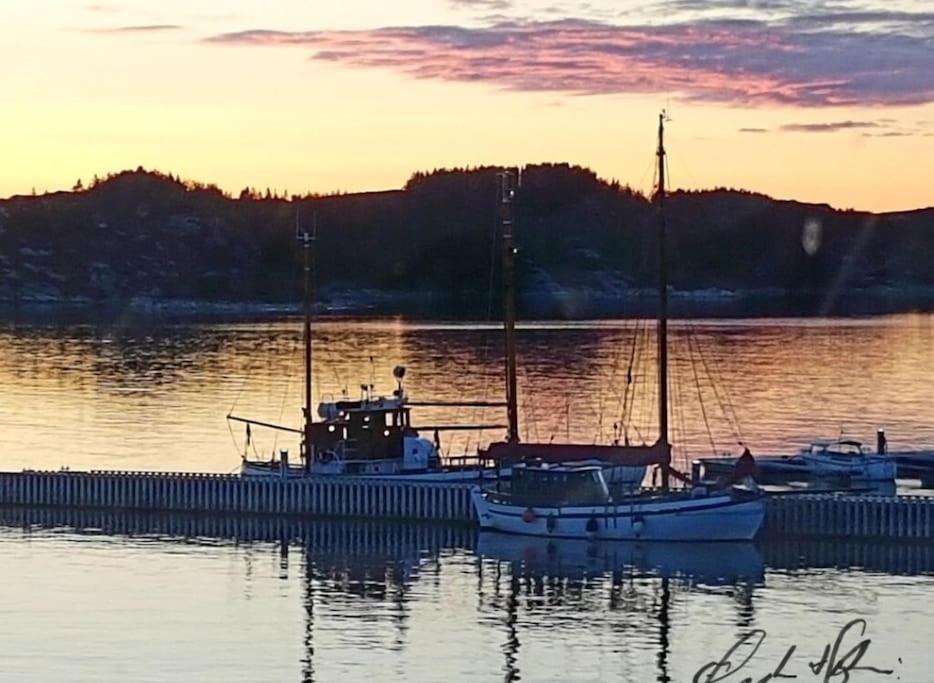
point(841, 446)
point(337, 410)
point(544, 484)
point(557, 469)
point(632, 456)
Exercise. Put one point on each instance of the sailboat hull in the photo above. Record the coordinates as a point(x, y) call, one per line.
point(719, 517)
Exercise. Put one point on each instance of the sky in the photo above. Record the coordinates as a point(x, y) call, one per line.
point(820, 100)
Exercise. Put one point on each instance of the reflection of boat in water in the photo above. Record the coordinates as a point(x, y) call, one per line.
point(707, 563)
point(848, 458)
point(549, 497)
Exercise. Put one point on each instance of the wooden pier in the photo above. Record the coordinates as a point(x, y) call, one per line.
point(324, 496)
point(333, 537)
point(797, 515)
point(850, 516)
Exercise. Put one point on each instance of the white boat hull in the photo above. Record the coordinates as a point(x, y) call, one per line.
point(255, 469)
point(869, 467)
point(719, 517)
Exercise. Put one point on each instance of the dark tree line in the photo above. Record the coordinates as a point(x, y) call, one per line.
point(147, 233)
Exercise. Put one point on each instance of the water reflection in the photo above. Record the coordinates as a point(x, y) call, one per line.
point(606, 608)
point(634, 580)
point(154, 396)
point(579, 560)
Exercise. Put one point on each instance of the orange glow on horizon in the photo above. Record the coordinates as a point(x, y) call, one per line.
point(86, 102)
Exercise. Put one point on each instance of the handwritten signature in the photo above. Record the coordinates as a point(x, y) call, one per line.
point(834, 665)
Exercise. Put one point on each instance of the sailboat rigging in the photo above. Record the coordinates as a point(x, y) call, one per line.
point(567, 490)
point(624, 465)
point(373, 435)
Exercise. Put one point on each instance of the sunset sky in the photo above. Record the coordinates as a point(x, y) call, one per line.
point(829, 101)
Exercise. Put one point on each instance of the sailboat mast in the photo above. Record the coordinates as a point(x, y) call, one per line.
point(662, 334)
point(306, 239)
point(509, 305)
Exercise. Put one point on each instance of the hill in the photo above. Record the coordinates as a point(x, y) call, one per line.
point(146, 234)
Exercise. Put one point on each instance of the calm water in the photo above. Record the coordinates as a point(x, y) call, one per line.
point(156, 397)
point(92, 597)
point(99, 598)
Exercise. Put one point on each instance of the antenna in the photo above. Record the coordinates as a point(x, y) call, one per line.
point(306, 241)
point(507, 193)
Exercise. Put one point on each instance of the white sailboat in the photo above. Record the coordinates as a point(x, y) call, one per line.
point(549, 496)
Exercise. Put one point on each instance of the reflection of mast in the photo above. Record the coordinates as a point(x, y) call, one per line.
point(308, 643)
point(507, 190)
point(745, 610)
point(662, 308)
point(511, 646)
point(664, 631)
point(401, 615)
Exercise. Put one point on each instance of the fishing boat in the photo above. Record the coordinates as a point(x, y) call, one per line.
point(848, 458)
point(548, 496)
point(564, 501)
point(371, 436)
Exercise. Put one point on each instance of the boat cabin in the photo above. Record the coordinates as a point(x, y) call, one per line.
point(361, 430)
point(541, 484)
point(838, 449)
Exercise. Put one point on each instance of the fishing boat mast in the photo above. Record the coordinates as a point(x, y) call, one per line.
point(662, 333)
point(306, 240)
point(507, 191)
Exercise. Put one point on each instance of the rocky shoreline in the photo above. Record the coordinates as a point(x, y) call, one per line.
point(561, 303)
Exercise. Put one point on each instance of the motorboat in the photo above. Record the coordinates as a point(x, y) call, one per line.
point(848, 458)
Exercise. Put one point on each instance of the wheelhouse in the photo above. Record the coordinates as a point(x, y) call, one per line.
point(558, 485)
point(362, 430)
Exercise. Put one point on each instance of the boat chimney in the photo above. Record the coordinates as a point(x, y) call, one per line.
point(284, 463)
point(881, 443)
point(695, 472)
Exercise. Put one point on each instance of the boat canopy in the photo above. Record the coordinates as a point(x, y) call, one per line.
point(505, 452)
point(842, 447)
point(558, 485)
point(333, 410)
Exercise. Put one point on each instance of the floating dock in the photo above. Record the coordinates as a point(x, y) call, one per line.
point(801, 515)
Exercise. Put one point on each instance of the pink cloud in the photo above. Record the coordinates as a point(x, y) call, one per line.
point(740, 62)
